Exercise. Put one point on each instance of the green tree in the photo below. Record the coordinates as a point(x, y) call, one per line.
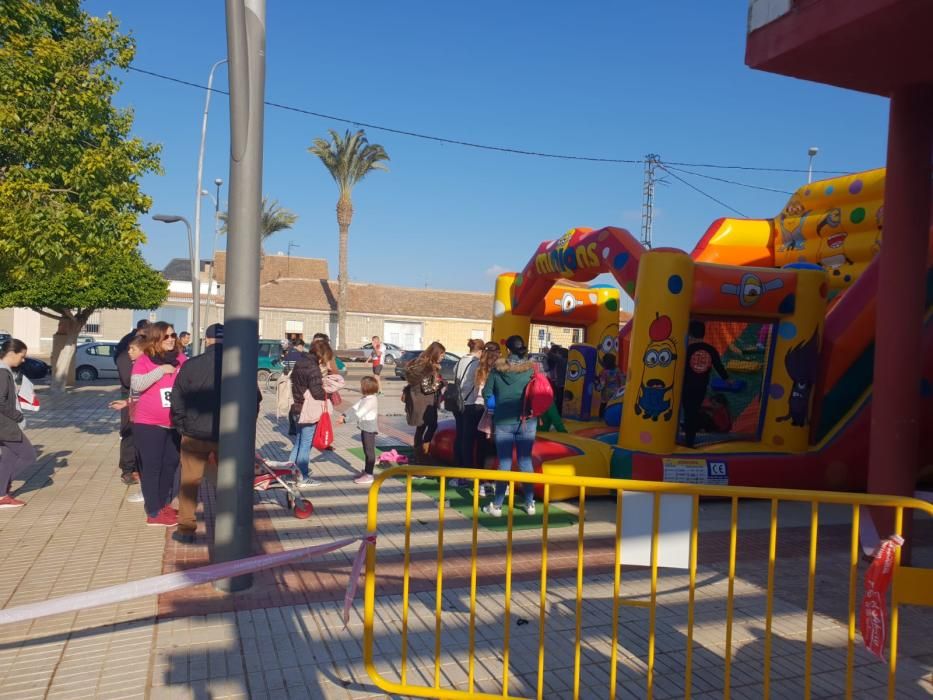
point(273, 219)
point(118, 280)
point(69, 167)
point(348, 159)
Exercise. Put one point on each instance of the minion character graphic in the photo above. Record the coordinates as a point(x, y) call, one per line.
point(578, 383)
point(608, 343)
point(656, 390)
point(790, 223)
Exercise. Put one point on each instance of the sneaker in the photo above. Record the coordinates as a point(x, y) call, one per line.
point(530, 508)
point(364, 478)
point(163, 519)
point(183, 537)
point(129, 478)
point(135, 497)
point(307, 482)
point(493, 510)
point(169, 510)
point(9, 502)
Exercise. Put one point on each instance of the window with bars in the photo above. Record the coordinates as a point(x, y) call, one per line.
point(93, 323)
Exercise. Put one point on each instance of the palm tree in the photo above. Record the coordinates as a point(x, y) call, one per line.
point(348, 159)
point(273, 219)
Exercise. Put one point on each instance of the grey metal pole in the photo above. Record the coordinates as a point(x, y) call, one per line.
point(246, 51)
point(196, 340)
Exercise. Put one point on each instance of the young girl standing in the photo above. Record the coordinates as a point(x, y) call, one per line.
point(366, 413)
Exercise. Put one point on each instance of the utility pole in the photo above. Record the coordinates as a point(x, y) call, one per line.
point(647, 204)
point(246, 53)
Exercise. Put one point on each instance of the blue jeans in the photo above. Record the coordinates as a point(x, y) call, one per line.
point(301, 450)
point(522, 437)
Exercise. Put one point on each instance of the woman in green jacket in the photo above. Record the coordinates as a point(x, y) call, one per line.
point(506, 385)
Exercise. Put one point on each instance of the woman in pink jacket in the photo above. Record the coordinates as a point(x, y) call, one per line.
point(157, 441)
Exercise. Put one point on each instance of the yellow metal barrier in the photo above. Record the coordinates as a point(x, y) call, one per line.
point(911, 586)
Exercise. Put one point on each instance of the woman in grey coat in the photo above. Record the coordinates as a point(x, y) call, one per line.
point(16, 452)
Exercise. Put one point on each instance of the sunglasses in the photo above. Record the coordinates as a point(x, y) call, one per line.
point(170, 335)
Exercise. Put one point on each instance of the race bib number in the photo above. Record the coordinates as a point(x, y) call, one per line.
point(166, 395)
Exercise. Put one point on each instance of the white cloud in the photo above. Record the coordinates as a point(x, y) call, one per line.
point(494, 271)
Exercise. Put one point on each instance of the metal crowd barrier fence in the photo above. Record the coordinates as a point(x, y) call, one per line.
point(911, 586)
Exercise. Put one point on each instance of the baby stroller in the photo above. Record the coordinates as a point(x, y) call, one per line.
point(268, 474)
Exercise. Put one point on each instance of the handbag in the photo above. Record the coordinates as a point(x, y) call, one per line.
point(485, 424)
point(312, 410)
point(324, 435)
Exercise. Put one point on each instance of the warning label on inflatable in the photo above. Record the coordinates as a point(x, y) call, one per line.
point(696, 471)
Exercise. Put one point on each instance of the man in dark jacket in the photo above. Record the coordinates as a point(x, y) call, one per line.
point(196, 415)
point(702, 359)
point(121, 358)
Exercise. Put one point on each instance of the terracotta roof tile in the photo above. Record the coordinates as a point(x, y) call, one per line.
point(278, 266)
point(376, 299)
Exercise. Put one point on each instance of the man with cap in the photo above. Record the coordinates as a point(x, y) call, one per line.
point(196, 415)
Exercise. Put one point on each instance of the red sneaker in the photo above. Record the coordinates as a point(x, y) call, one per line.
point(169, 510)
point(9, 502)
point(163, 519)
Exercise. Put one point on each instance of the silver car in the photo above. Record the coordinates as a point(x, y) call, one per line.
point(95, 361)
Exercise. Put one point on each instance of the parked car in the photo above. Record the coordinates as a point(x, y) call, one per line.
point(447, 364)
point(270, 360)
point(33, 369)
point(95, 361)
point(393, 352)
point(84, 339)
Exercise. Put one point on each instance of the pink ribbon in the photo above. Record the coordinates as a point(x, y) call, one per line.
point(177, 580)
point(355, 577)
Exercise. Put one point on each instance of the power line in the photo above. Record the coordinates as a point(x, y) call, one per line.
point(731, 182)
point(403, 132)
point(470, 144)
point(697, 189)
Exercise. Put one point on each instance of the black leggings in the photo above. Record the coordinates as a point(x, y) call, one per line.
point(157, 454)
point(369, 450)
point(425, 431)
point(465, 446)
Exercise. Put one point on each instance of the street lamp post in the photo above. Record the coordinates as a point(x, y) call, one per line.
point(812, 151)
point(195, 280)
point(210, 281)
point(197, 200)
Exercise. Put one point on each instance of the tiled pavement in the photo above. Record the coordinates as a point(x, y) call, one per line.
point(285, 638)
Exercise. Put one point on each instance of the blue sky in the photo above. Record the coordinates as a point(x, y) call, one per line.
point(614, 80)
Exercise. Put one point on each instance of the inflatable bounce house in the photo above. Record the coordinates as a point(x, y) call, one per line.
point(747, 362)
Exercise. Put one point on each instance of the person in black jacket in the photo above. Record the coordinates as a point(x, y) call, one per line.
point(16, 452)
point(128, 466)
point(195, 414)
point(306, 377)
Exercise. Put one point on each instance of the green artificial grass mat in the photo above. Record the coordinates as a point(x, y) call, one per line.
point(461, 500)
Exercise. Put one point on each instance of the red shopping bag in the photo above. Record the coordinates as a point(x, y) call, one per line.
point(324, 435)
point(874, 613)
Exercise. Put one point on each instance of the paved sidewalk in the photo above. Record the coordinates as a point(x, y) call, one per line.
point(285, 637)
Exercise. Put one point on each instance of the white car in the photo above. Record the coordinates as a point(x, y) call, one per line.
point(95, 361)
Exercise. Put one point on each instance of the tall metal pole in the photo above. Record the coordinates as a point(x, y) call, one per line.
point(196, 282)
point(210, 278)
point(647, 207)
point(246, 51)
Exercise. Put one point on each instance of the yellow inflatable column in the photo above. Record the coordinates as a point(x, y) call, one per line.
point(603, 333)
point(663, 294)
point(795, 365)
point(504, 322)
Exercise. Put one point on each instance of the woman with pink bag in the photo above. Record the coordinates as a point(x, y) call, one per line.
point(308, 400)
